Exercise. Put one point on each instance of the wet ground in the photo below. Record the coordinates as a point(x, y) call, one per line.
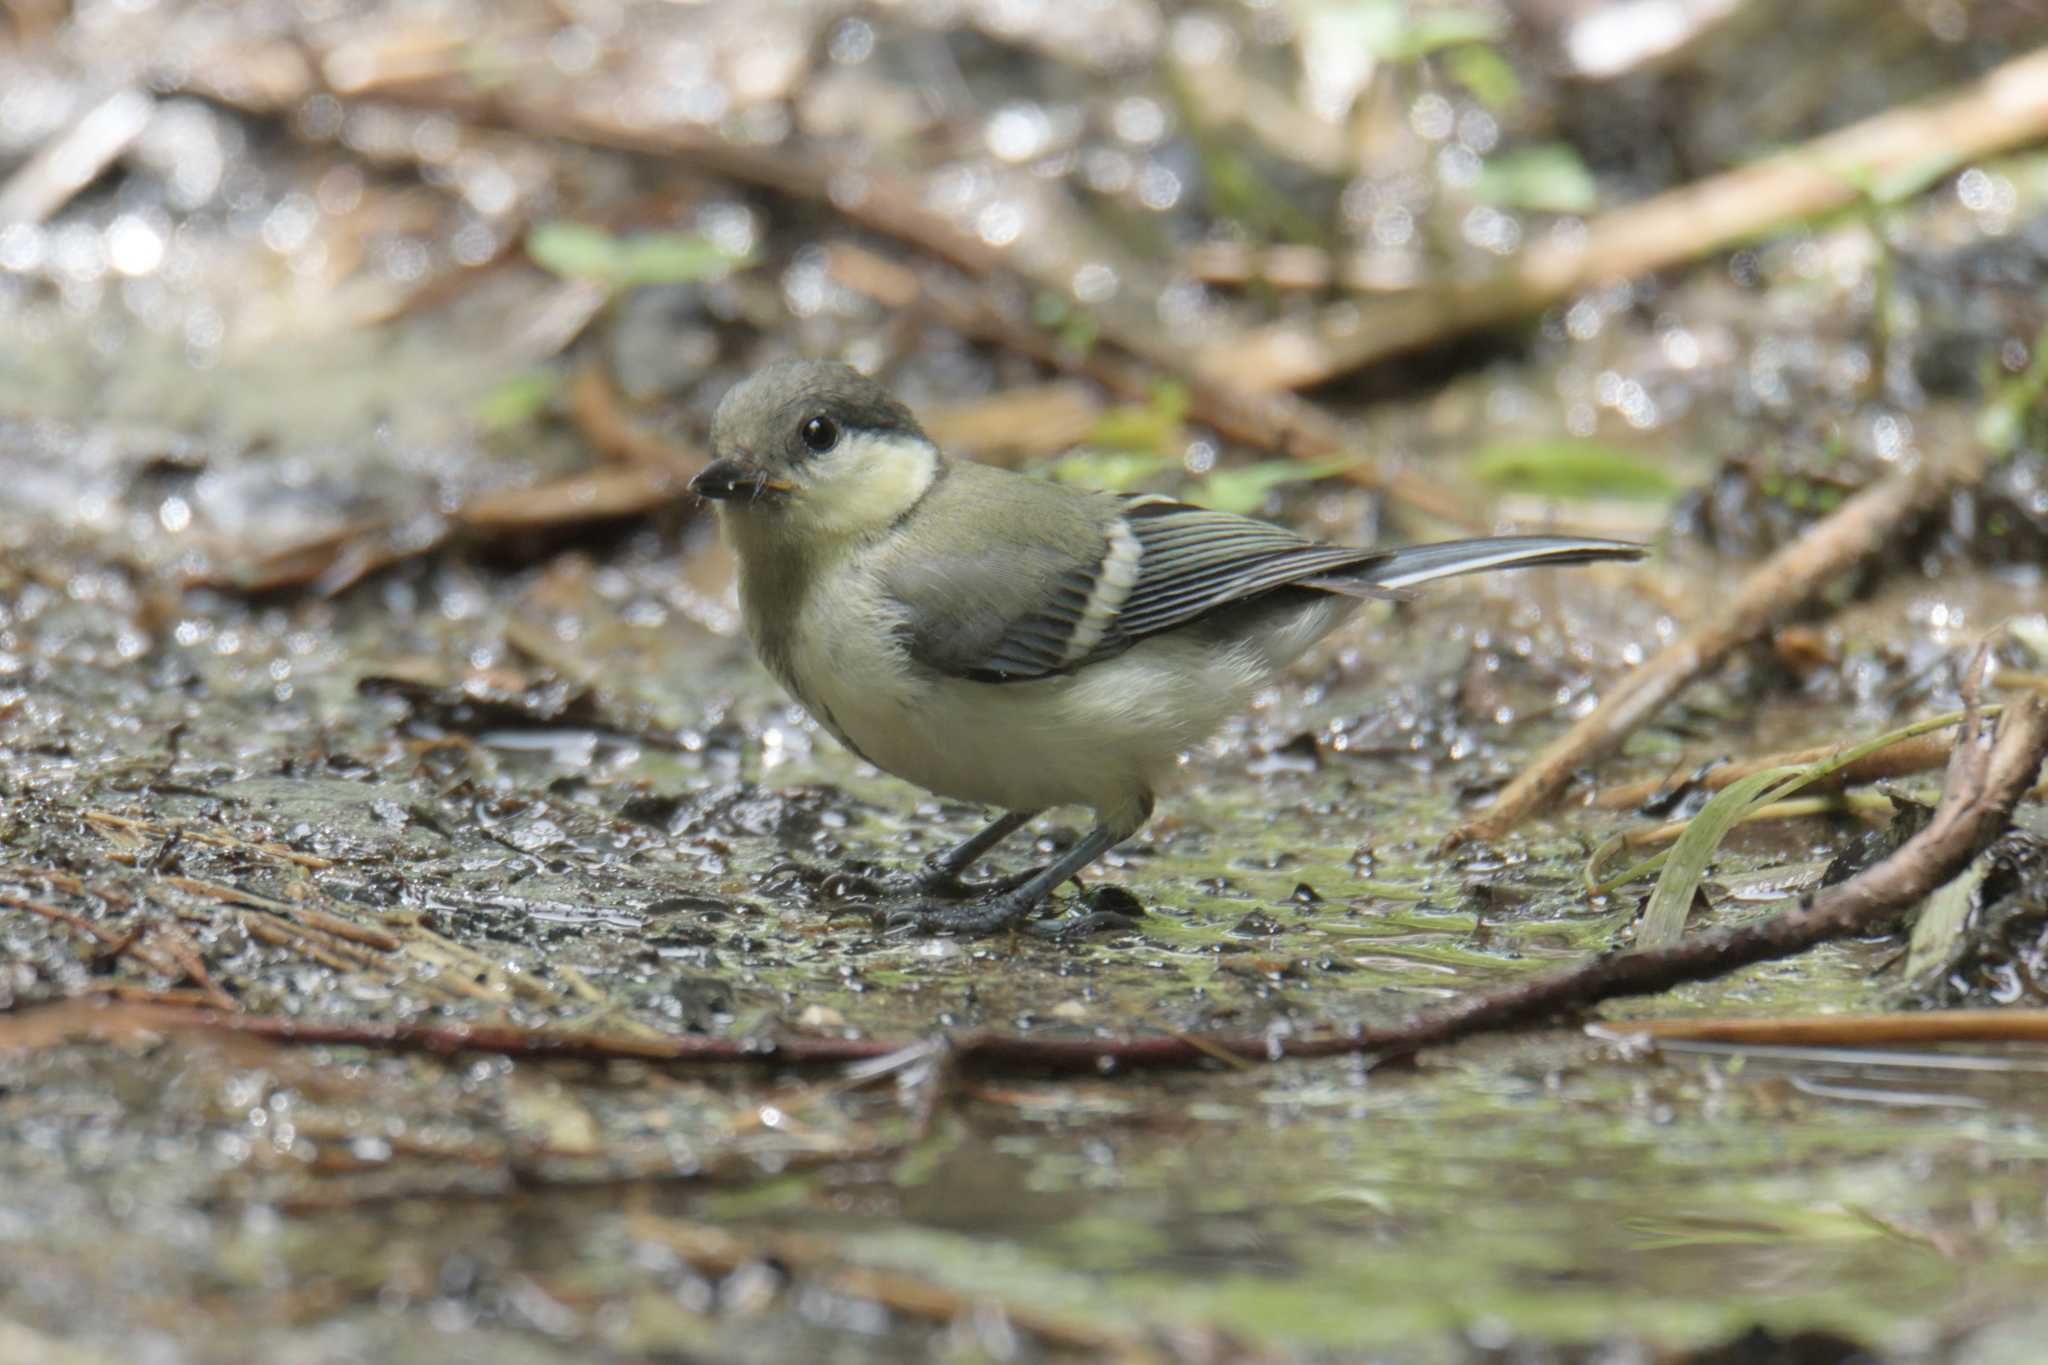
point(310, 708)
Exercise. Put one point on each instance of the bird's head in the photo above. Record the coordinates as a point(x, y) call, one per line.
point(815, 450)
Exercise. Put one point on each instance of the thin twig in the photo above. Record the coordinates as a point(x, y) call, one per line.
point(107, 820)
point(1867, 525)
point(2006, 108)
point(1850, 1030)
point(193, 965)
point(73, 159)
point(596, 408)
point(279, 934)
point(112, 945)
point(311, 916)
point(1859, 804)
point(61, 916)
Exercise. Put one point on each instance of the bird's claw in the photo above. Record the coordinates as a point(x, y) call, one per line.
point(968, 920)
point(996, 914)
point(927, 882)
point(1069, 928)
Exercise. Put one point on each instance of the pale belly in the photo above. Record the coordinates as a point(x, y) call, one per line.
point(1106, 738)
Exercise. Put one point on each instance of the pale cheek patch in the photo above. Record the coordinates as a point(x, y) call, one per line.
point(865, 484)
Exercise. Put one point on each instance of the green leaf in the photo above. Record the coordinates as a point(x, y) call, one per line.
point(1942, 919)
point(1567, 467)
point(1547, 178)
point(1910, 179)
point(1075, 326)
point(2003, 420)
point(1153, 426)
point(1663, 921)
point(1684, 863)
point(1432, 30)
point(1114, 470)
point(1244, 490)
point(584, 251)
point(1482, 70)
point(516, 401)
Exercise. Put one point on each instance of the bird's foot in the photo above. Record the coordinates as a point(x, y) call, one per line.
point(927, 882)
point(997, 913)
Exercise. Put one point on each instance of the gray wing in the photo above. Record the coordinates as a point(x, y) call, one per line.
point(1015, 610)
point(991, 618)
point(996, 572)
point(1013, 613)
point(1194, 560)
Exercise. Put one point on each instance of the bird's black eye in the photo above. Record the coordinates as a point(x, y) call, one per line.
point(820, 434)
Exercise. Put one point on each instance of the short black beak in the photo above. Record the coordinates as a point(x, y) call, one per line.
point(722, 480)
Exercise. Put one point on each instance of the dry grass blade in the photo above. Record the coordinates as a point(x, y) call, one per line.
point(1919, 754)
point(1685, 863)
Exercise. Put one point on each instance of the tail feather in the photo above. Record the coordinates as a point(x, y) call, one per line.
point(1415, 564)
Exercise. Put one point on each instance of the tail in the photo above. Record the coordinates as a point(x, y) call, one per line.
point(1415, 564)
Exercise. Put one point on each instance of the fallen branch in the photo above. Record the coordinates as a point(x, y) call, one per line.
point(1861, 528)
point(331, 562)
point(2006, 108)
point(1985, 781)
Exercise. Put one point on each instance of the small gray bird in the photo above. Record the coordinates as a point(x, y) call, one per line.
point(1000, 639)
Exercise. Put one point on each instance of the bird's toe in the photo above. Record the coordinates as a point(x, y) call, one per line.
point(1068, 928)
point(968, 920)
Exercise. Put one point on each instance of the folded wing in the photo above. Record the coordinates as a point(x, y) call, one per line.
point(1162, 565)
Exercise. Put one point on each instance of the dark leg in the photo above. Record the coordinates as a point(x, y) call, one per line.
point(943, 872)
point(1000, 911)
point(940, 875)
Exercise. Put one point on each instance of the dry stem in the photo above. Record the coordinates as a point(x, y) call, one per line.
point(1865, 526)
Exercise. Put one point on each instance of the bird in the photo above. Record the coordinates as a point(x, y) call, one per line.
point(1012, 642)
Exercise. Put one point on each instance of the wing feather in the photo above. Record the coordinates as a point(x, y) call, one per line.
point(1168, 564)
point(1196, 560)
point(1028, 610)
